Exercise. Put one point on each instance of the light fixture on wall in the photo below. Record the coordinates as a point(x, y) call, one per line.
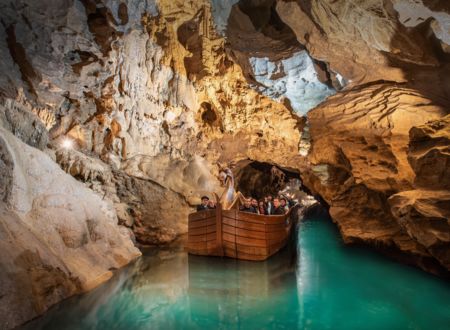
point(67, 143)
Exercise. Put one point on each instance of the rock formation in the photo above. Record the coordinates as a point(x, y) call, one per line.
point(375, 157)
point(150, 100)
point(359, 159)
point(58, 238)
point(153, 94)
point(424, 212)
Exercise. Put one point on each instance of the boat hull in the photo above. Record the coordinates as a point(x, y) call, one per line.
point(239, 235)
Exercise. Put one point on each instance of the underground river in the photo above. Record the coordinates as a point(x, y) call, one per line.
point(325, 285)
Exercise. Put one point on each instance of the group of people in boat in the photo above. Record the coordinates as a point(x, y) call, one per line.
point(267, 206)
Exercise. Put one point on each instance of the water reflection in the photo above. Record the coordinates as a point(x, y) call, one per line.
point(170, 289)
point(243, 294)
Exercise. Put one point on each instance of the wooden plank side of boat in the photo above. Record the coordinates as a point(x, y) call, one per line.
point(205, 233)
point(202, 238)
point(201, 215)
point(202, 223)
point(255, 250)
point(201, 231)
point(238, 234)
point(245, 225)
point(256, 237)
point(206, 229)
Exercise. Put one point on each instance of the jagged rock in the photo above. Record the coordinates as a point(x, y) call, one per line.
point(58, 238)
point(24, 124)
point(367, 32)
point(90, 170)
point(124, 214)
point(159, 214)
point(150, 209)
point(272, 59)
point(359, 158)
point(425, 214)
point(429, 154)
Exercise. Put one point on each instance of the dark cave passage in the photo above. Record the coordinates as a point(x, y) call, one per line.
point(259, 179)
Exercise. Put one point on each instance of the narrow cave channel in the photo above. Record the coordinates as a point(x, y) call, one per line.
point(135, 137)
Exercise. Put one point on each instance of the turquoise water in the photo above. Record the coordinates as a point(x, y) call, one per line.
point(323, 286)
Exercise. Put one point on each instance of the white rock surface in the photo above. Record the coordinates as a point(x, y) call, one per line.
point(294, 78)
point(58, 238)
point(414, 12)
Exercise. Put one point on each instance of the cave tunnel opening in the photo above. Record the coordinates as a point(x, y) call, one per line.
point(259, 179)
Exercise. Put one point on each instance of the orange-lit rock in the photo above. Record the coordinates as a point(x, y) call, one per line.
point(359, 158)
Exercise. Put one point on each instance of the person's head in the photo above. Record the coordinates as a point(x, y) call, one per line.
point(261, 203)
point(247, 202)
point(276, 202)
point(269, 198)
point(254, 202)
point(283, 201)
point(205, 200)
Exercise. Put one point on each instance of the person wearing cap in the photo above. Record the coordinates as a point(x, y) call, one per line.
point(204, 205)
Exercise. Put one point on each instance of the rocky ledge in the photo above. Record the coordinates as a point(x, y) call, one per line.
point(381, 165)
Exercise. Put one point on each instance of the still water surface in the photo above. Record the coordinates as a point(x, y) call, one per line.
point(317, 284)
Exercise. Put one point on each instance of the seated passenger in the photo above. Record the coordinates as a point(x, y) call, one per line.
point(277, 208)
point(247, 207)
point(284, 205)
point(204, 205)
point(254, 204)
point(262, 207)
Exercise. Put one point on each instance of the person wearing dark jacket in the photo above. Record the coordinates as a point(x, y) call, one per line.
point(284, 205)
point(204, 205)
point(247, 207)
point(254, 204)
point(277, 208)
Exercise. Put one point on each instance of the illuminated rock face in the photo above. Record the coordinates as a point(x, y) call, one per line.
point(274, 62)
point(374, 158)
point(154, 93)
point(149, 90)
point(58, 238)
point(363, 165)
point(366, 32)
point(294, 78)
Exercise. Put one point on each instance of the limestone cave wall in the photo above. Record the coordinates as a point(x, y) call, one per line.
point(353, 96)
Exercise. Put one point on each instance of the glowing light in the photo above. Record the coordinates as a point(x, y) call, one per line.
point(170, 116)
point(67, 143)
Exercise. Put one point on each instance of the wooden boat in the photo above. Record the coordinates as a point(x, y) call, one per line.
point(237, 234)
